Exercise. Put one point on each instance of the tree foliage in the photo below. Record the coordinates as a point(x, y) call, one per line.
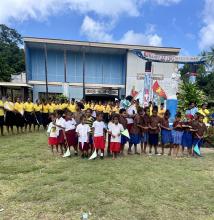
point(11, 55)
point(190, 93)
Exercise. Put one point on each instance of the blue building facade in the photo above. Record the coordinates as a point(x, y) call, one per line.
point(83, 69)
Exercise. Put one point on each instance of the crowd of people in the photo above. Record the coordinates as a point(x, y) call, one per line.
point(88, 126)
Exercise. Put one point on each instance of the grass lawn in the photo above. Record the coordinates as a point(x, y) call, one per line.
point(36, 185)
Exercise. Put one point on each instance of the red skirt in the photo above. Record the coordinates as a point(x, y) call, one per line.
point(115, 147)
point(129, 127)
point(52, 141)
point(61, 138)
point(85, 146)
point(99, 143)
point(71, 137)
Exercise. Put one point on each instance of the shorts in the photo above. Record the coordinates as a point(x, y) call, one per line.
point(145, 137)
point(153, 139)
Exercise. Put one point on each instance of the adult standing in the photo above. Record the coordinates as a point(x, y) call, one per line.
point(10, 115)
point(1, 116)
point(19, 113)
point(205, 112)
point(29, 113)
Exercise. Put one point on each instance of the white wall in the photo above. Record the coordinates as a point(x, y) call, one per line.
point(136, 65)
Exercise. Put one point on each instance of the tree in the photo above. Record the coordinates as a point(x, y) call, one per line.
point(11, 55)
point(190, 93)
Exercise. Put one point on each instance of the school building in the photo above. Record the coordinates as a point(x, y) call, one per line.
point(92, 70)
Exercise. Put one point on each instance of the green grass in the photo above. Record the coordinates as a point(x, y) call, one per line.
point(36, 185)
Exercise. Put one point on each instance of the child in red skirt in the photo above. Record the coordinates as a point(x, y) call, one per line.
point(60, 123)
point(53, 133)
point(115, 130)
point(70, 133)
point(99, 134)
point(83, 131)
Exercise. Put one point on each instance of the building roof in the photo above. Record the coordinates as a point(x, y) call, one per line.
point(101, 45)
point(13, 84)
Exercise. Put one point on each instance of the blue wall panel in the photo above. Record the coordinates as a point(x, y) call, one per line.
point(99, 68)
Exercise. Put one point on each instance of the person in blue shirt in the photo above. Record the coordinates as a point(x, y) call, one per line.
point(193, 109)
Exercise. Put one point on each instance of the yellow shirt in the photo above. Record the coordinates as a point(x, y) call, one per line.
point(29, 107)
point(107, 109)
point(99, 108)
point(1, 108)
point(19, 107)
point(86, 106)
point(115, 109)
point(37, 108)
point(64, 106)
point(72, 107)
point(161, 112)
point(9, 106)
point(92, 107)
point(45, 109)
point(51, 108)
point(205, 113)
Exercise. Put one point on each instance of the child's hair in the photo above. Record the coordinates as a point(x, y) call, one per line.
point(167, 113)
point(89, 109)
point(155, 108)
point(200, 115)
point(82, 117)
point(122, 110)
point(115, 116)
point(146, 109)
point(99, 114)
point(139, 110)
point(60, 113)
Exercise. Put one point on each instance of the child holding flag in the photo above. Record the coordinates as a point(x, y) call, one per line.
point(115, 130)
point(123, 121)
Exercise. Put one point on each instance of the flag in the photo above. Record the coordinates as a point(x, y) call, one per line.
point(134, 92)
point(197, 150)
point(157, 89)
point(125, 133)
point(67, 153)
point(94, 155)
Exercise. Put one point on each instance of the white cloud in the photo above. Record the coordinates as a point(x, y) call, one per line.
point(95, 31)
point(166, 2)
point(99, 31)
point(21, 10)
point(206, 34)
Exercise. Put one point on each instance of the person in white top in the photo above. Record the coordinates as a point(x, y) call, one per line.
point(111, 122)
point(99, 134)
point(53, 133)
point(83, 131)
point(115, 130)
point(60, 123)
point(131, 112)
point(70, 131)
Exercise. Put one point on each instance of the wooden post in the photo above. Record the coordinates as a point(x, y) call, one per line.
point(65, 66)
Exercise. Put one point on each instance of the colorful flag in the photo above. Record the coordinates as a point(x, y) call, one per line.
point(157, 89)
point(67, 153)
point(196, 149)
point(94, 155)
point(125, 133)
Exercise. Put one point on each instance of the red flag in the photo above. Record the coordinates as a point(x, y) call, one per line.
point(134, 93)
point(157, 89)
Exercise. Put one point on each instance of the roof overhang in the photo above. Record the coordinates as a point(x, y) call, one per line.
point(33, 41)
point(11, 84)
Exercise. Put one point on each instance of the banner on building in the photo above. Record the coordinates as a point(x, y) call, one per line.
point(102, 91)
point(169, 58)
point(158, 90)
point(147, 89)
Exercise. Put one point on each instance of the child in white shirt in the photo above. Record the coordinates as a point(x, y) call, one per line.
point(99, 134)
point(115, 130)
point(83, 131)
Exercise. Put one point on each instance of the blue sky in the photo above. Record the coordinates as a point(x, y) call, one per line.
point(188, 24)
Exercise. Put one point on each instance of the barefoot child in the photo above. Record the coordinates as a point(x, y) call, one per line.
point(83, 130)
point(154, 129)
point(111, 122)
point(99, 134)
point(200, 131)
point(177, 133)
point(60, 123)
point(166, 134)
point(53, 132)
point(70, 133)
point(123, 121)
point(145, 129)
point(115, 131)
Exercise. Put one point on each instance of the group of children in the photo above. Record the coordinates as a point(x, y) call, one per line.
point(88, 133)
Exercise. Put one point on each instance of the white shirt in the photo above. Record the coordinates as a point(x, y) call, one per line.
point(98, 128)
point(110, 124)
point(130, 111)
point(53, 130)
point(83, 130)
point(60, 122)
point(70, 124)
point(116, 131)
